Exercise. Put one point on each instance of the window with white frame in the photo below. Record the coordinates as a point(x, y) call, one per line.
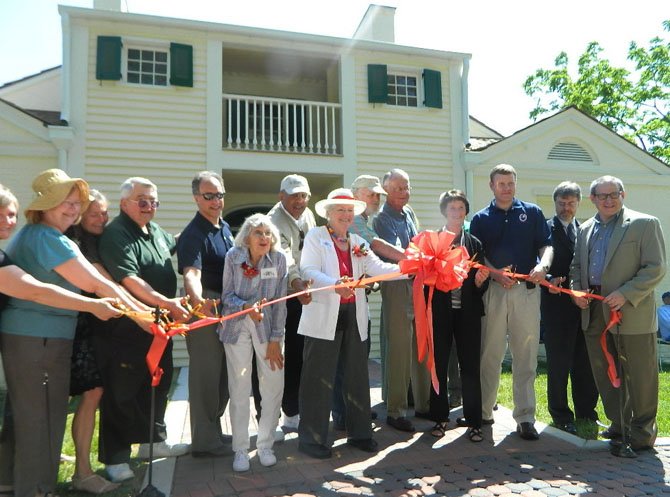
point(147, 66)
point(402, 90)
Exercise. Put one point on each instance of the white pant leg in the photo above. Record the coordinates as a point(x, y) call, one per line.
point(494, 343)
point(238, 362)
point(524, 338)
point(271, 385)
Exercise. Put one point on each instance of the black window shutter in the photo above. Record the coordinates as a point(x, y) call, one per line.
point(432, 88)
point(108, 62)
point(181, 65)
point(377, 83)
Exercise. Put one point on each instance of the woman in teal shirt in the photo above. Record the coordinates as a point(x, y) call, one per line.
point(36, 339)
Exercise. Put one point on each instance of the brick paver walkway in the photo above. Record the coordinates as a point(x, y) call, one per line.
point(419, 464)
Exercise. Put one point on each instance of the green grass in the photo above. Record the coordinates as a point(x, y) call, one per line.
point(584, 429)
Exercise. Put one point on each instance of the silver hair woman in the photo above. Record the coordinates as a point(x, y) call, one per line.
point(255, 271)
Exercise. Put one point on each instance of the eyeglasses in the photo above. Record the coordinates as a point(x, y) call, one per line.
point(144, 203)
point(213, 195)
point(302, 240)
point(71, 205)
point(604, 196)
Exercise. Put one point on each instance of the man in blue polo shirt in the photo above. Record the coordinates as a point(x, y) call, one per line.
point(515, 236)
point(201, 252)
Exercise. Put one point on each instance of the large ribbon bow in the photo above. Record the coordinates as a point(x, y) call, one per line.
point(437, 264)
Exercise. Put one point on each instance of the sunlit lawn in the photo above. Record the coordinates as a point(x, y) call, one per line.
point(585, 429)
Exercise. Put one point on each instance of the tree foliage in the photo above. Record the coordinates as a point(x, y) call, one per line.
point(635, 104)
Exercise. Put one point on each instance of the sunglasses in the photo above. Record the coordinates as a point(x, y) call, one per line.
point(213, 195)
point(143, 203)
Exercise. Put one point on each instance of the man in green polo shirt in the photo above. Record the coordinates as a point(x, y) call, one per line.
point(136, 252)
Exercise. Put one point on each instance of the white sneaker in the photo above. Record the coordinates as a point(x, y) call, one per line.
point(267, 457)
point(119, 472)
point(241, 461)
point(291, 422)
point(279, 435)
point(163, 449)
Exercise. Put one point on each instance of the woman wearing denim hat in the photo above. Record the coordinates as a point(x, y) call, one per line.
point(335, 326)
point(36, 339)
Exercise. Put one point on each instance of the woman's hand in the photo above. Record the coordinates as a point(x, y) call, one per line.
point(256, 314)
point(343, 291)
point(481, 276)
point(105, 309)
point(274, 356)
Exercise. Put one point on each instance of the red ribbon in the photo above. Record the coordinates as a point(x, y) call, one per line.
point(615, 316)
point(437, 265)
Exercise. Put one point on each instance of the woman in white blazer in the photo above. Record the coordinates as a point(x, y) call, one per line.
point(335, 327)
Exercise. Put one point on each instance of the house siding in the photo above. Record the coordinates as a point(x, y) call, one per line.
point(417, 140)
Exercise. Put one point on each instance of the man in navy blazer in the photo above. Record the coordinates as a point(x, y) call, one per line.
point(563, 338)
point(620, 254)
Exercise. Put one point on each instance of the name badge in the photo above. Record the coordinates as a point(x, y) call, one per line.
point(268, 272)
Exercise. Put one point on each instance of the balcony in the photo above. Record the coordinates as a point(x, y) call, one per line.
point(267, 124)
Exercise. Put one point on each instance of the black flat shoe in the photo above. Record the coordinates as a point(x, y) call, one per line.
point(527, 431)
point(400, 423)
point(568, 427)
point(315, 451)
point(364, 444)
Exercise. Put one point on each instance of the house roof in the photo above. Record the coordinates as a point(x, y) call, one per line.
point(169, 22)
point(29, 77)
point(46, 117)
point(573, 112)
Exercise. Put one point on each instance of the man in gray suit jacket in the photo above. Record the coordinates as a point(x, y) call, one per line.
point(620, 254)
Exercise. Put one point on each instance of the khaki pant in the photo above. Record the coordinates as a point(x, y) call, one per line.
point(400, 356)
point(512, 317)
point(636, 357)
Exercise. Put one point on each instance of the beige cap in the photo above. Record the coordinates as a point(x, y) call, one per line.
point(372, 183)
point(294, 183)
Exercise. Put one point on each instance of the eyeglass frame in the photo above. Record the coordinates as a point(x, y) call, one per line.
point(143, 203)
point(612, 195)
point(209, 196)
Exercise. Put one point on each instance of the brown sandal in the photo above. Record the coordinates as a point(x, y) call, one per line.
point(439, 429)
point(475, 435)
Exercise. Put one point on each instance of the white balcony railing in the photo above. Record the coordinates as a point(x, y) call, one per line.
point(281, 125)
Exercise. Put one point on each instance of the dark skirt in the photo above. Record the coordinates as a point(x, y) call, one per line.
point(84, 372)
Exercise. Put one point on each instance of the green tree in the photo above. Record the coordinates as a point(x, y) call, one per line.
point(635, 104)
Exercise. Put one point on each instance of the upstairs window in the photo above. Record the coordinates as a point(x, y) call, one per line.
point(147, 67)
point(402, 90)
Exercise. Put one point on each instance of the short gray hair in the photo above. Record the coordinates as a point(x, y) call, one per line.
point(7, 198)
point(97, 196)
point(568, 189)
point(204, 175)
point(605, 180)
point(253, 222)
point(128, 185)
point(394, 173)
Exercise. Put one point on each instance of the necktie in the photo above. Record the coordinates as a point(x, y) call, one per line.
point(571, 233)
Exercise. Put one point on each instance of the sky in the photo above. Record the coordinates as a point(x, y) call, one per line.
point(508, 40)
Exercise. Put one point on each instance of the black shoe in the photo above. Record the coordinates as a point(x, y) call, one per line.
point(315, 451)
point(462, 422)
point(610, 434)
point(364, 444)
point(421, 415)
point(217, 452)
point(568, 427)
point(400, 423)
point(488, 421)
point(527, 431)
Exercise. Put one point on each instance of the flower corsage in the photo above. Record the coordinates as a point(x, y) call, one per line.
point(249, 271)
point(360, 250)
